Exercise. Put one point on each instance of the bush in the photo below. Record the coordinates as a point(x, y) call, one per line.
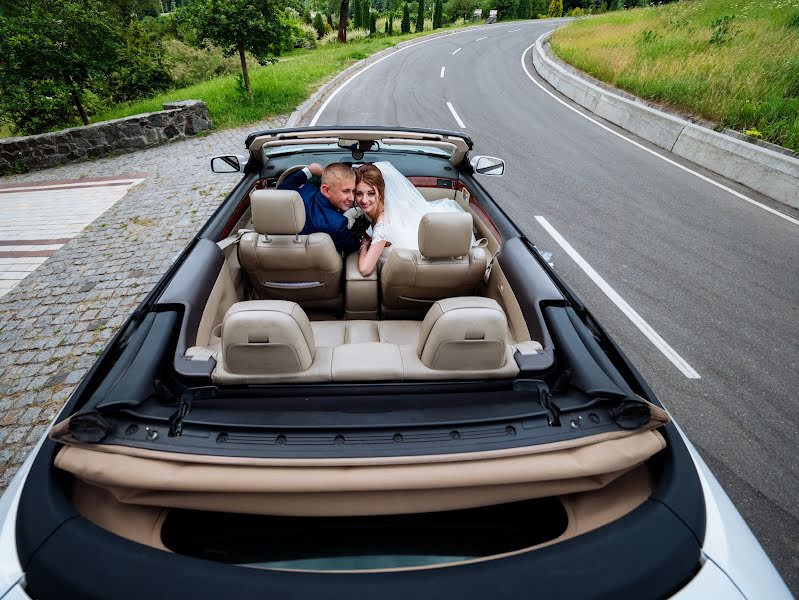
point(319, 25)
point(555, 8)
point(190, 65)
point(141, 70)
point(576, 12)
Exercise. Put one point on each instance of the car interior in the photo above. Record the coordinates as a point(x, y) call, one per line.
point(283, 321)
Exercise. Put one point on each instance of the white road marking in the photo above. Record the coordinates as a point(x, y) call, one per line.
point(454, 114)
point(652, 152)
point(442, 72)
point(456, 51)
point(482, 38)
point(637, 320)
point(379, 60)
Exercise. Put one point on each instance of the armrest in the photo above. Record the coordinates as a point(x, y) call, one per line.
point(352, 272)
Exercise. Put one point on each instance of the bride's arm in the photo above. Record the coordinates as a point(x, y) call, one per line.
point(368, 255)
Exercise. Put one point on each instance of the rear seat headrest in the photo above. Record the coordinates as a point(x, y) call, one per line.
point(277, 212)
point(465, 333)
point(444, 235)
point(266, 337)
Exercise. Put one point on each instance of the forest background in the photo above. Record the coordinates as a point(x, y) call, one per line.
point(73, 62)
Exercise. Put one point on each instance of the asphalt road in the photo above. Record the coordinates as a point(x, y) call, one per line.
point(715, 277)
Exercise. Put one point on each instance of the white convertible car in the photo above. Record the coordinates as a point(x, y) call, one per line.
point(271, 424)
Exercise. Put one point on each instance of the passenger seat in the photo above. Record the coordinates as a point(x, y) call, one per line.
point(445, 266)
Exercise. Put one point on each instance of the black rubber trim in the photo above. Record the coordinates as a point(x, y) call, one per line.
point(189, 289)
point(648, 553)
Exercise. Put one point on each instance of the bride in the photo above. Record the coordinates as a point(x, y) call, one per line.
point(395, 208)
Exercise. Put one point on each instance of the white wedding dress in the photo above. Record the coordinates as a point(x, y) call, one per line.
point(405, 206)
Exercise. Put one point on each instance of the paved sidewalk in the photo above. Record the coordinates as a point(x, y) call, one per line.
point(63, 209)
point(56, 321)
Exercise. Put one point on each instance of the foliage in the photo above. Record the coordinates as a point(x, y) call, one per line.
point(576, 12)
point(258, 26)
point(406, 19)
point(555, 8)
point(189, 65)
point(420, 17)
point(748, 81)
point(141, 70)
point(438, 14)
point(461, 8)
point(373, 24)
point(721, 29)
point(319, 25)
point(357, 22)
point(53, 54)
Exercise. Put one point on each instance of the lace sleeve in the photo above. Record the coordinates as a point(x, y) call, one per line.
point(379, 232)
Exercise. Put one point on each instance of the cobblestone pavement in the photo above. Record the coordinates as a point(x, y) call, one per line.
point(55, 323)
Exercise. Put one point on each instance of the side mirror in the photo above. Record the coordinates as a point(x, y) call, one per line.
point(234, 163)
point(488, 165)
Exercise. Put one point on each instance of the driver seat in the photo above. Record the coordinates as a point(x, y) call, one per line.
point(280, 263)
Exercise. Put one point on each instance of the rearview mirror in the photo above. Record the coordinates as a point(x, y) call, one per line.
point(233, 163)
point(488, 165)
point(362, 145)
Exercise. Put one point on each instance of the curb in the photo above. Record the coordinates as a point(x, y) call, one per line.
point(766, 171)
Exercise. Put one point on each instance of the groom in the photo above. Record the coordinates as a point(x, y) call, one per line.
point(324, 206)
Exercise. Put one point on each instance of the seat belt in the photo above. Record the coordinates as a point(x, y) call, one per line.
point(229, 241)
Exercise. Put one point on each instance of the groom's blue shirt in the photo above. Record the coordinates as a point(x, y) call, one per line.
point(320, 215)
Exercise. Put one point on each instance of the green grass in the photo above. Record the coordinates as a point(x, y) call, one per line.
point(277, 88)
point(735, 63)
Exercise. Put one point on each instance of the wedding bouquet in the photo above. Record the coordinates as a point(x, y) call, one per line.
point(357, 221)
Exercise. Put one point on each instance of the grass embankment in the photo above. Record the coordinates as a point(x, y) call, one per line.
point(277, 88)
point(735, 63)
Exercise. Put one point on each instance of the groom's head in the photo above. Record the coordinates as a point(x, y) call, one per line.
point(338, 185)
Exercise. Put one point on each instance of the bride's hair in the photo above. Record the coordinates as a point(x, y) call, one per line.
point(370, 174)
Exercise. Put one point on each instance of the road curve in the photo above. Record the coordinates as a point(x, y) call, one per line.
point(714, 277)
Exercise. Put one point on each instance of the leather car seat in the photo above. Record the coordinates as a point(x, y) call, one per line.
point(444, 266)
point(283, 265)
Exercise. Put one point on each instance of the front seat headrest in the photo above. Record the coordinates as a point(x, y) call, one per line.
point(444, 235)
point(277, 212)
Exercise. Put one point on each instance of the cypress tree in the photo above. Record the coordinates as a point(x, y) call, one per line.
point(356, 14)
point(390, 24)
point(420, 17)
point(365, 10)
point(438, 14)
point(406, 19)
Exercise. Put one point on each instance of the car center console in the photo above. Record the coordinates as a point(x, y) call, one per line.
point(360, 293)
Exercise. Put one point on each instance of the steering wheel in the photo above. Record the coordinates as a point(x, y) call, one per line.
point(288, 172)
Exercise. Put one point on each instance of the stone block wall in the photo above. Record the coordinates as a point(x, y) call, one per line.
point(178, 120)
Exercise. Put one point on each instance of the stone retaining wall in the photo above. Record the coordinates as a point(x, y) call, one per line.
point(178, 120)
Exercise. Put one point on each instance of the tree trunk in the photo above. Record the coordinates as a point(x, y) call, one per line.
point(245, 71)
point(343, 17)
point(76, 101)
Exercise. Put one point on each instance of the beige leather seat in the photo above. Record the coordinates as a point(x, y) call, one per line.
point(270, 341)
point(283, 265)
point(444, 266)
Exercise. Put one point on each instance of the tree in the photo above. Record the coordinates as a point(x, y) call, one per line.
point(461, 8)
point(373, 24)
point(319, 25)
point(357, 23)
point(405, 27)
point(343, 18)
point(420, 17)
point(555, 8)
point(237, 26)
point(525, 9)
point(390, 24)
point(365, 11)
point(53, 53)
point(141, 71)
